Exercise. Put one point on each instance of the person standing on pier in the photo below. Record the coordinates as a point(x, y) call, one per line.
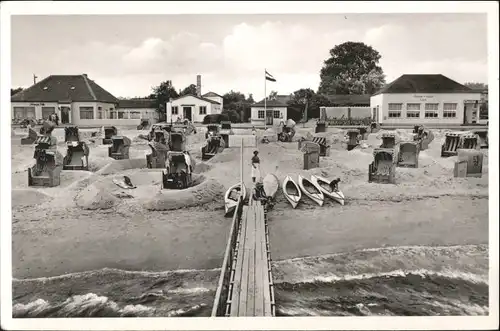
point(255, 166)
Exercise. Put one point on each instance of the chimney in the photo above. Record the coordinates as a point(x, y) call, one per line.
point(198, 85)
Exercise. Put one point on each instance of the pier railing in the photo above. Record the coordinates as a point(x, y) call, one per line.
point(223, 288)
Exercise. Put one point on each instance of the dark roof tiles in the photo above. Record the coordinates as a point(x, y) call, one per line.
point(136, 103)
point(424, 83)
point(68, 88)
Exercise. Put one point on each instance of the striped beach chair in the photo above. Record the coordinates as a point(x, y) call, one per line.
point(324, 149)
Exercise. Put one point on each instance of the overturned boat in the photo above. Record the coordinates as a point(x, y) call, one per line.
point(271, 185)
point(311, 190)
point(329, 188)
point(291, 191)
point(232, 197)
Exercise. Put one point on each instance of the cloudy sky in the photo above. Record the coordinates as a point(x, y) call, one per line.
point(127, 55)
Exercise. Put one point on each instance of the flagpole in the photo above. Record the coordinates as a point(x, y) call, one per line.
point(265, 101)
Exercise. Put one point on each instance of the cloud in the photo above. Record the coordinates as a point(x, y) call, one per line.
point(292, 50)
point(280, 47)
point(182, 53)
point(454, 49)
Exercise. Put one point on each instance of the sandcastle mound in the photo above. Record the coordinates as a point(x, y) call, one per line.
point(120, 165)
point(204, 191)
point(93, 198)
point(24, 198)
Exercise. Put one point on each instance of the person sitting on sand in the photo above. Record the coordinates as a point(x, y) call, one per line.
point(335, 184)
point(258, 193)
point(255, 166)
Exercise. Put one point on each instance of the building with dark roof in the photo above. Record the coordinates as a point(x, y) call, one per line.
point(76, 99)
point(137, 109)
point(425, 99)
point(194, 107)
point(271, 112)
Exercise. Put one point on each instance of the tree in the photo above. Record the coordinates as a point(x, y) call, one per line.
point(191, 89)
point(477, 86)
point(162, 94)
point(351, 69)
point(15, 90)
point(235, 103)
point(250, 99)
point(297, 104)
point(273, 95)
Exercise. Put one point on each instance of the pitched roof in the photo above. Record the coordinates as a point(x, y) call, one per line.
point(424, 84)
point(270, 103)
point(197, 97)
point(211, 94)
point(349, 99)
point(136, 103)
point(67, 88)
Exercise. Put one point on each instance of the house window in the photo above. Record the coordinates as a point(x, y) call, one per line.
point(122, 114)
point(24, 112)
point(100, 113)
point(449, 110)
point(261, 114)
point(277, 114)
point(396, 106)
point(412, 110)
point(431, 110)
point(395, 110)
point(47, 111)
point(87, 113)
point(175, 110)
point(135, 114)
point(203, 110)
point(413, 106)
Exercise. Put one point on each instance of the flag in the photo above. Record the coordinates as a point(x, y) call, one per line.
point(270, 77)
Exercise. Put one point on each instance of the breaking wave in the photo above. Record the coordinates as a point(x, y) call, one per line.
point(397, 281)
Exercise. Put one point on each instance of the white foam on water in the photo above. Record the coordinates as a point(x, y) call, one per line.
point(113, 270)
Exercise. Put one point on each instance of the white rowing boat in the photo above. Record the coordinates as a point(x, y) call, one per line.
point(311, 190)
point(271, 185)
point(291, 191)
point(232, 196)
point(328, 189)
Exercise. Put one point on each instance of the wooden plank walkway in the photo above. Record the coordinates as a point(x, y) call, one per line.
point(251, 295)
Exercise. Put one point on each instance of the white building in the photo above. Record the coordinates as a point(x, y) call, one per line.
point(194, 107)
point(76, 99)
point(270, 113)
point(425, 99)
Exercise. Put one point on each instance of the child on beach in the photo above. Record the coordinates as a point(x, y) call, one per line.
point(255, 166)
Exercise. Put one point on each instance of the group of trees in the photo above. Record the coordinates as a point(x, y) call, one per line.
point(352, 68)
point(236, 106)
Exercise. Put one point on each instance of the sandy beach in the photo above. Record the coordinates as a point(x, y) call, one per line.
point(427, 206)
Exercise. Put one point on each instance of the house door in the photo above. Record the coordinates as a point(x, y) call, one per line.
point(269, 117)
point(187, 113)
point(65, 115)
